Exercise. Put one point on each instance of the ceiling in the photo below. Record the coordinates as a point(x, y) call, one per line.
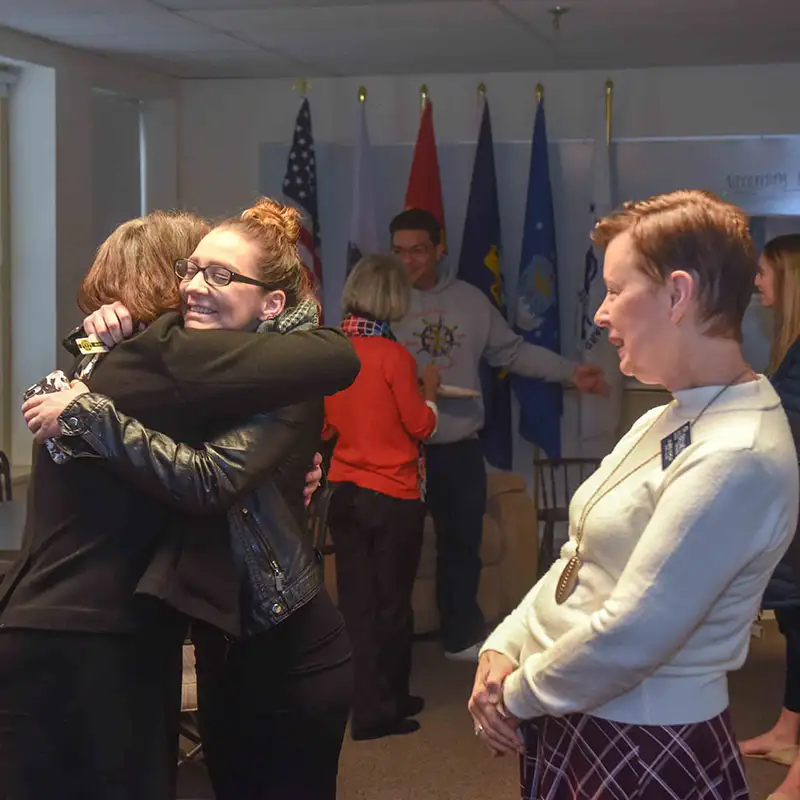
point(304, 38)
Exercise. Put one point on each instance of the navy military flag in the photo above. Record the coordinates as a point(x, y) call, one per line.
point(537, 318)
point(479, 265)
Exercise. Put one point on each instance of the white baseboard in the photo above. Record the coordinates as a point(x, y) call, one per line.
point(20, 473)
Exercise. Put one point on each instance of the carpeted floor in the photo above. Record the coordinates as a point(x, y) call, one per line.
point(443, 761)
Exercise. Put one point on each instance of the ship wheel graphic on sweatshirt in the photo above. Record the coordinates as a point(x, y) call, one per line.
point(437, 339)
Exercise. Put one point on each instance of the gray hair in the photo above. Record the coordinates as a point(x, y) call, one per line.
point(379, 287)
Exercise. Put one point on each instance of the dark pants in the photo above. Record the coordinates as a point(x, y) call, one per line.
point(783, 596)
point(457, 501)
point(90, 716)
point(789, 624)
point(273, 708)
point(378, 541)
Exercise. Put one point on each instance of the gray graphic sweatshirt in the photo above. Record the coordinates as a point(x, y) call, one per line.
point(454, 325)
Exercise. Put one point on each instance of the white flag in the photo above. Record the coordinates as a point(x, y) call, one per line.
point(363, 228)
point(599, 416)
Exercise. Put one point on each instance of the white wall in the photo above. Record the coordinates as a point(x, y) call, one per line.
point(117, 160)
point(234, 136)
point(67, 187)
point(225, 123)
point(32, 143)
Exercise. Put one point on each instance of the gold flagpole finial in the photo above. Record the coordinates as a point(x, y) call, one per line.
point(609, 106)
point(481, 91)
point(539, 93)
point(301, 85)
point(423, 96)
point(362, 94)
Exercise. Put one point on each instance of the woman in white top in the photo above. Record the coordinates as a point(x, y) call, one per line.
point(610, 676)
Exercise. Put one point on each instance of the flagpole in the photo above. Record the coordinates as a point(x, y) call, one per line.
point(609, 104)
point(537, 453)
point(301, 85)
point(423, 97)
point(481, 105)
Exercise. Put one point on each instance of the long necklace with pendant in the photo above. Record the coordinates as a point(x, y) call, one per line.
point(568, 579)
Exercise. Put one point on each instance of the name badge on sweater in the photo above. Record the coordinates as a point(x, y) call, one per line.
point(674, 444)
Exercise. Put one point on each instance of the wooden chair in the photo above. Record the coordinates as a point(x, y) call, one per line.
point(555, 481)
point(5, 478)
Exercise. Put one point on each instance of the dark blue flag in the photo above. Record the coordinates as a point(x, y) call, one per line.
point(479, 265)
point(537, 319)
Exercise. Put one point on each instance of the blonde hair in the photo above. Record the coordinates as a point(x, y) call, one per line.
point(378, 287)
point(274, 230)
point(135, 265)
point(783, 255)
point(693, 230)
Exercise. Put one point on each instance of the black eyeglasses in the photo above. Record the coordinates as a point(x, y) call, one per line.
point(214, 274)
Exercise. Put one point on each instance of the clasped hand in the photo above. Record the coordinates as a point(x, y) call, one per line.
point(42, 411)
point(492, 723)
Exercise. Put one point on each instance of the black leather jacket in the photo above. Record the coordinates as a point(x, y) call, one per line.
point(253, 472)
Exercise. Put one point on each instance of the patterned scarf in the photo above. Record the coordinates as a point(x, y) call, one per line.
point(354, 325)
point(302, 317)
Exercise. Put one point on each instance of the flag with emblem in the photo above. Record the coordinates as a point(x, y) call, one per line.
point(479, 265)
point(300, 190)
point(537, 318)
point(599, 416)
point(424, 183)
point(363, 228)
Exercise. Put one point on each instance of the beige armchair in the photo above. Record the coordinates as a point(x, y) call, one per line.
point(509, 552)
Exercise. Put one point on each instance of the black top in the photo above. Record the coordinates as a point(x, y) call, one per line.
point(786, 382)
point(90, 535)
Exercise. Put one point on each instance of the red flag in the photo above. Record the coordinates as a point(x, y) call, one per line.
point(424, 184)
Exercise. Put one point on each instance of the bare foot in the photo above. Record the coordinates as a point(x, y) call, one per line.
point(785, 793)
point(784, 735)
point(790, 788)
point(767, 743)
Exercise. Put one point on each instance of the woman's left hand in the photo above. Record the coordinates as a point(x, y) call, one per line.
point(493, 725)
point(42, 411)
point(313, 479)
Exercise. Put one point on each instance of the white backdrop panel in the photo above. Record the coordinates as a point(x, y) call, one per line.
point(762, 174)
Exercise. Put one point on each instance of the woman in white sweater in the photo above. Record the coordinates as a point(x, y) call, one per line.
point(610, 676)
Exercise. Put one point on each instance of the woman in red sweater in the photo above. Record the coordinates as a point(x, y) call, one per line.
point(376, 514)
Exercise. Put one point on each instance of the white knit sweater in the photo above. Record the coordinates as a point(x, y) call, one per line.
point(675, 562)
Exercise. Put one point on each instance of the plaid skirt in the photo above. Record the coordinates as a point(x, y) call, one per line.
point(580, 757)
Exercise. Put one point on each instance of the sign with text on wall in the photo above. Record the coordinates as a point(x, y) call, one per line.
point(760, 174)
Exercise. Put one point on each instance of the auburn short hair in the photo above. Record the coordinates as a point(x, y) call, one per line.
point(695, 231)
point(135, 265)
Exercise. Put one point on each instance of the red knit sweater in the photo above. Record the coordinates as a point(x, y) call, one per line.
point(381, 419)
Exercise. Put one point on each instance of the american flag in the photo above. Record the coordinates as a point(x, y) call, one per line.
point(300, 187)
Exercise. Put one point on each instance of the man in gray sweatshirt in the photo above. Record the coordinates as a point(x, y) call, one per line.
point(451, 323)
